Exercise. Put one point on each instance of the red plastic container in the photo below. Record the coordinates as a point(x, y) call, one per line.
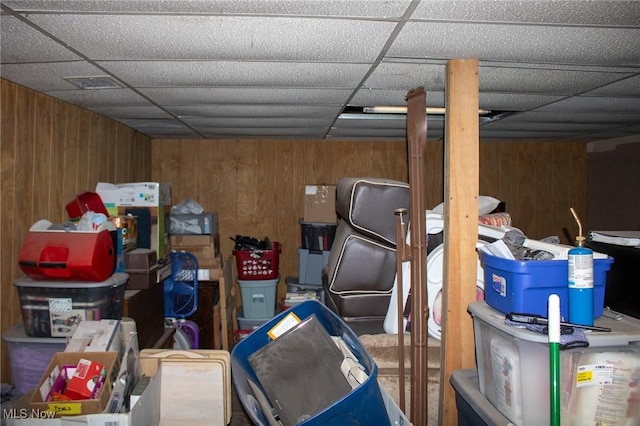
point(67, 255)
point(87, 201)
point(258, 264)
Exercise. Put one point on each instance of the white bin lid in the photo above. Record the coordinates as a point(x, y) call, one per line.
point(622, 333)
point(115, 280)
point(16, 334)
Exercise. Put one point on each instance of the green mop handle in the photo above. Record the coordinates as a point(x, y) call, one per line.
point(554, 358)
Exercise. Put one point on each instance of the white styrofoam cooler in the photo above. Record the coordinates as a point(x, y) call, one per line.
point(599, 383)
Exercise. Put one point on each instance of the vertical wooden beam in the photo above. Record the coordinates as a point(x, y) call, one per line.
point(460, 226)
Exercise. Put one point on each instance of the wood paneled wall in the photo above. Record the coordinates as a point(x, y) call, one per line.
point(52, 151)
point(257, 186)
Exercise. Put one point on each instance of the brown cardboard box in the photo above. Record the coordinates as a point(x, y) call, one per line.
point(88, 406)
point(320, 203)
point(203, 247)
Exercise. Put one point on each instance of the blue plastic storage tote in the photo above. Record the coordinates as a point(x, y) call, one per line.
point(364, 405)
point(524, 286)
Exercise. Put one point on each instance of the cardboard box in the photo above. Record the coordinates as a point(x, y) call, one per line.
point(193, 224)
point(88, 406)
point(137, 194)
point(150, 202)
point(320, 203)
point(203, 247)
point(120, 413)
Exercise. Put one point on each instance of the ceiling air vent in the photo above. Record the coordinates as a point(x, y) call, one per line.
point(94, 83)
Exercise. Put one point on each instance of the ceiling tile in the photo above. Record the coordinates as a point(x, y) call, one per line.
point(266, 110)
point(100, 98)
point(227, 73)
point(353, 8)
point(568, 12)
point(225, 95)
point(48, 76)
point(195, 37)
point(525, 44)
point(21, 43)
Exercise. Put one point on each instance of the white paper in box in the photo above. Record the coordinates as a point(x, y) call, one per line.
point(96, 336)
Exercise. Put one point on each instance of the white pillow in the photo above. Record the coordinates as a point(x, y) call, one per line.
point(486, 205)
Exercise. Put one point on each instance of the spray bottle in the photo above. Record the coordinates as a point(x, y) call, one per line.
point(580, 280)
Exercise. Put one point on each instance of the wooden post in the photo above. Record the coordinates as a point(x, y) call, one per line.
point(461, 166)
point(417, 141)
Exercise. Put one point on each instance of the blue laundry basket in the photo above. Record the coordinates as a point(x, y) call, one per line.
point(363, 406)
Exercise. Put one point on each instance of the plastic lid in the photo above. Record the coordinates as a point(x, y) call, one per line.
point(622, 333)
point(16, 334)
point(115, 280)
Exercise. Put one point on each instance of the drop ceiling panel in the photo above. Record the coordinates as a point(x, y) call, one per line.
point(187, 37)
point(375, 9)
point(225, 95)
point(629, 87)
point(284, 122)
point(572, 117)
point(100, 98)
point(290, 67)
point(170, 132)
point(526, 43)
point(21, 43)
point(47, 76)
point(340, 133)
point(596, 104)
point(311, 133)
point(133, 112)
point(392, 97)
point(251, 111)
point(567, 12)
point(226, 73)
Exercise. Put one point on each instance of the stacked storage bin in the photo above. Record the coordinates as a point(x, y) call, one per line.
point(599, 370)
point(258, 277)
point(313, 255)
point(513, 371)
point(70, 278)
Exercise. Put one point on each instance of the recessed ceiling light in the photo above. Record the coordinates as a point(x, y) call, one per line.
point(95, 82)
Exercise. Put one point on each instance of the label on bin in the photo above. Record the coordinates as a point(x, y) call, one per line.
point(63, 319)
point(499, 284)
point(594, 374)
point(285, 324)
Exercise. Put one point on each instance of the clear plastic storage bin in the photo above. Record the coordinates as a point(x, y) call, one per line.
point(29, 356)
point(54, 308)
point(599, 383)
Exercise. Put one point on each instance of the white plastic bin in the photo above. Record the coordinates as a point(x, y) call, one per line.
point(513, 371)
point(29, 356)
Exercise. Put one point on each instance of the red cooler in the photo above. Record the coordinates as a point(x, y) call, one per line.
point(68, 255)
